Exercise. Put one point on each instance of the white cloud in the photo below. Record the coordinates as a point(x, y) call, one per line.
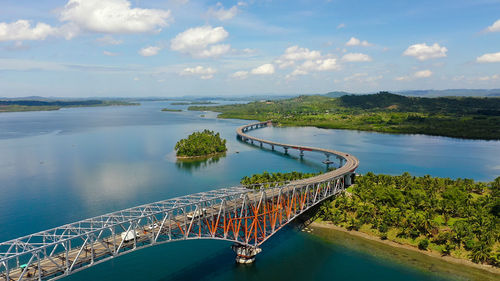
point(214, 51)
point(356, 42)
point(109, 40)
point(495, 27)
point(240, 74)
point(265, 69)
point(149, 51)
point(110, 54)
point(22, 30)
point(492, 57)
point(424, 52)
point(196, 41)
point(222, 14)
point(113, 16)
point(356, 57)
point(342, 25)
point(296, 53)
point(204, 73)
point(315, 65)
point(423, 74)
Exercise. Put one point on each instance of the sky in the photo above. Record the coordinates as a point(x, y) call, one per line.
point(171, 48)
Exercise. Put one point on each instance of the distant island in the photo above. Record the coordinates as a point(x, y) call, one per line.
point(171, 110)
point(460, 117)
point(46, 105)
point(457, 218)
point(200, 144)
point(193, 103)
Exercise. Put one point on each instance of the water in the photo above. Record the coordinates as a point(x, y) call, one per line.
point(61, 166)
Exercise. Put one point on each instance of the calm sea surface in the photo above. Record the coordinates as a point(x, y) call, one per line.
point(57, 167)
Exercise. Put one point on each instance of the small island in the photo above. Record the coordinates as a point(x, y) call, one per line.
point(171, 110)
point(200, 144)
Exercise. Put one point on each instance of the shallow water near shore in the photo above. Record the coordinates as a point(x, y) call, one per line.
point(62, 166)
point(432, 266)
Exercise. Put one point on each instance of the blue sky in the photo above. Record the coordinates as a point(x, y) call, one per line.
point(91, 48)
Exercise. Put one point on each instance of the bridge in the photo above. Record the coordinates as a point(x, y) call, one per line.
point(244, 215)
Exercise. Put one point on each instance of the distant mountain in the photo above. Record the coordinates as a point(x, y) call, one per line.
point(451, 92)
point(337, 94)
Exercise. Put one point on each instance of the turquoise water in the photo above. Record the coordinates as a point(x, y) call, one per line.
point(61, 166)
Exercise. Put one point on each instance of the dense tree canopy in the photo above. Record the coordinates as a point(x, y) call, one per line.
point(458, 217)
point(200, 144)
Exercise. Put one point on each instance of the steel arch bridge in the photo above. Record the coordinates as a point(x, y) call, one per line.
point(247, 216)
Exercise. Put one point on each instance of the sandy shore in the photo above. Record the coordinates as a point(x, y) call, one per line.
point(453, 260)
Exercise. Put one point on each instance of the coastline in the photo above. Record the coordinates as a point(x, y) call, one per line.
point(426, 260)
point(200, 157)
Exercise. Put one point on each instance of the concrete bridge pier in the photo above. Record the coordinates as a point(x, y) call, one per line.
point(244, 253)
point(286, 150)
point(260, 144)
point(272, 146)
point(301, 153)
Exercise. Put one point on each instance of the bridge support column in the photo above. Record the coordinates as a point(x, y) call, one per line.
point(301, 153)
point(272, 146)
point(245, 254)
point(286, 150)
point(260, 144)
point(348, 179)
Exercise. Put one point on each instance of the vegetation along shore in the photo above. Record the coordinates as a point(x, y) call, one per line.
point(460, 117)
point(457, 218)
point(39, 105)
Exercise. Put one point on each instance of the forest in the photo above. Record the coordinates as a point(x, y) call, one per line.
point(460, 117)
point(200, 144)
point(458, 217)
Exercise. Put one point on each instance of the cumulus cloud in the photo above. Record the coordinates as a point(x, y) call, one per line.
point(199, 42)
point(495, 27)
point(23, 30)
point(240, 74)
point(149, 51)
point(424, 52)
point(295, 53)
point(203, 72)
point(356, 42)
point(423, 74)
point(308, 66)
point(222, 14)
point(113, 16)
point(265, 69)
point(492, 57)
point(356, 57)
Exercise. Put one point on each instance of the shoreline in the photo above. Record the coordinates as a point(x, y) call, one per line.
point(200, 156)
point(448, 259)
